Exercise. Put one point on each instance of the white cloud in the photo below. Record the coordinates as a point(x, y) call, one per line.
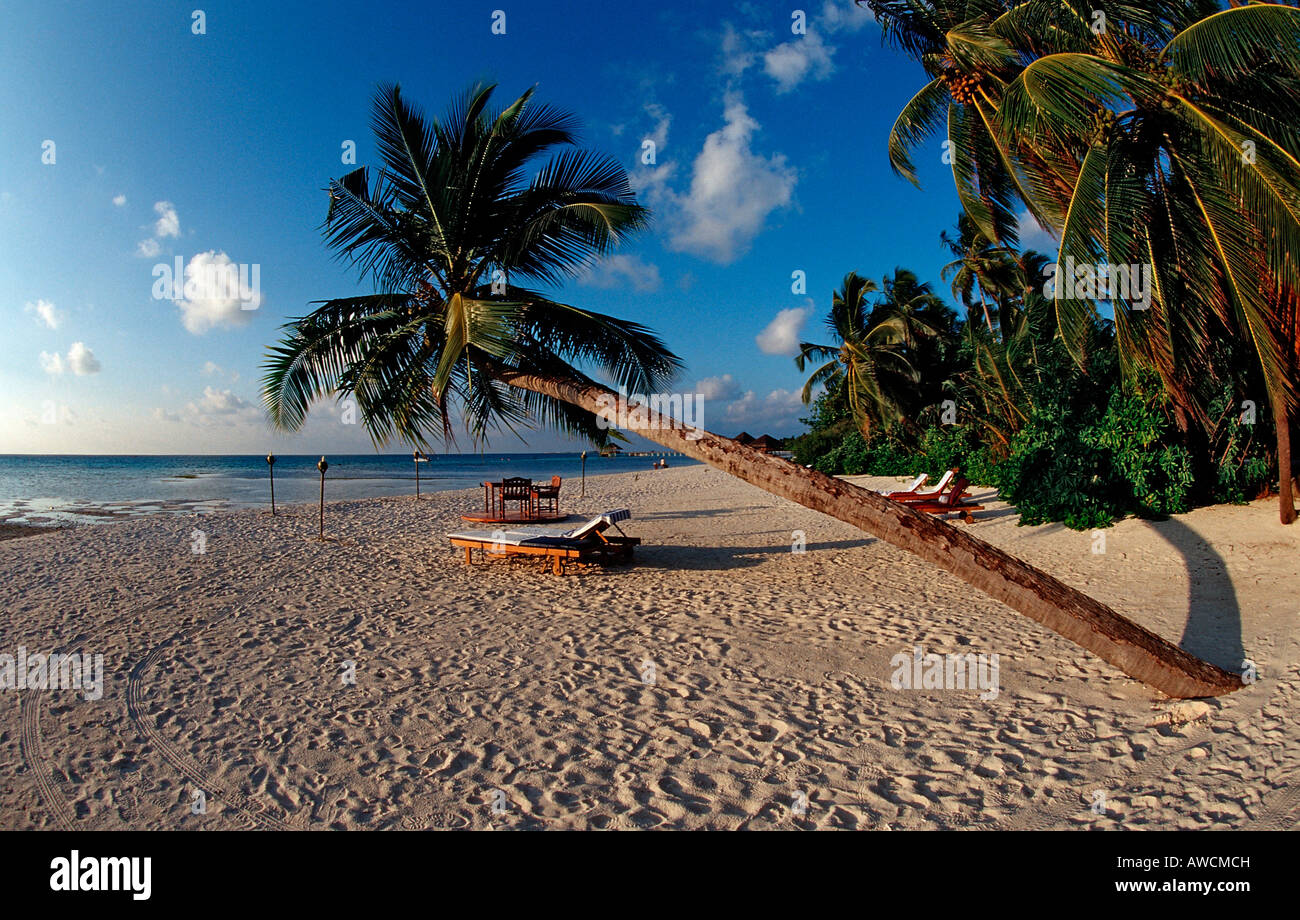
point(51, 363)
point(720, 389)
point(789, 63)
point(218, 292)
point(219, 402)
point(732, 407)
point(777, 413)
point(847, 17)
point(781, 335)
point(1033, 236)
point(169, 224)
point(737, 50)
point(213, 369)
point(620, 271)
point(119, 200)
point(215, 408)
point(82, 360)
point(651, 179)
point(811, 55)
point(732, 191)
point(45, 312)
point(663, 120)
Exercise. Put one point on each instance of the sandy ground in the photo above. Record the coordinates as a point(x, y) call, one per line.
point(722, 681)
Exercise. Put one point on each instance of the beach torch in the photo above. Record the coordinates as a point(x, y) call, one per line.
point(322, 466)
point(584, 475)
point(270, 465)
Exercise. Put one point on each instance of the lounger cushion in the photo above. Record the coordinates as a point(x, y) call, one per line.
point(546, 536)
point(598, 523)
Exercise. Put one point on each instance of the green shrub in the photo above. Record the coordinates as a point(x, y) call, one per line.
point(1144, 452)
point(1092, 450)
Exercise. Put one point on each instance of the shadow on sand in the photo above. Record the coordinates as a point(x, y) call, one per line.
point(720, 558)
point(1213, 629)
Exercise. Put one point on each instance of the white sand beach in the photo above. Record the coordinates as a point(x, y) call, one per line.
point(720, 681)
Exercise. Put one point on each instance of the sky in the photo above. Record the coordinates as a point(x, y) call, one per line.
point(138, 137)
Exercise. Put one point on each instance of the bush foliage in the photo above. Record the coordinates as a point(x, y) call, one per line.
point(1093, 449)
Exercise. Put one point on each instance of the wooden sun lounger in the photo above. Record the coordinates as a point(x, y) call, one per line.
point(911, 495)
point(910, 490)
point(586, 543)
point(951, 502)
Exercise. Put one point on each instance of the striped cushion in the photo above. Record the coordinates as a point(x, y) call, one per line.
point(599, 522)
point(544, 535)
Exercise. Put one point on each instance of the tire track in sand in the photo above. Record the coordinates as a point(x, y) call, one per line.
point(42, 769)
point(29, 744)
point(202, 779)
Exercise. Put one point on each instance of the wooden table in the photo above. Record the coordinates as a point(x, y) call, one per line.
point(490, 492)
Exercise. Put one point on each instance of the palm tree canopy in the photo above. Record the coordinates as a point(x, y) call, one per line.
point(1185, 163)
point(868, 366)
point(459, 217)
point(1163, 135)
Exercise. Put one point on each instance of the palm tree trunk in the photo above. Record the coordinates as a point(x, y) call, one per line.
point(1285, 474)
point(1133, 649)
point(988, 320)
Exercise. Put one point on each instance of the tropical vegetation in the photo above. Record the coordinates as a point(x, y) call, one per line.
point(1159, 138)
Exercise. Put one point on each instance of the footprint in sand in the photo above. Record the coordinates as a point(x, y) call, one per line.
point(769, 731)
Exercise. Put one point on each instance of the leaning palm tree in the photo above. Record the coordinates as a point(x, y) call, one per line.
point(464, 209)
point(869, 367)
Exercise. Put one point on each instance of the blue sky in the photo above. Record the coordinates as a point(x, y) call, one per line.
point(214, 148)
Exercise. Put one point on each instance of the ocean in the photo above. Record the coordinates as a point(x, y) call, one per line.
point(86, 489)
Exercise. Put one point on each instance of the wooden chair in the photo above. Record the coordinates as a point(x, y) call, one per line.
point(549, 494)
point(520, 491)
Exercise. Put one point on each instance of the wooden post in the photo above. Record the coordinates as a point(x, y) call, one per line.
point(270, 465)
point(322, 466)
point(584, 475)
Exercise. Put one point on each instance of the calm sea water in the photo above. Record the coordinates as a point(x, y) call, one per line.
point(45, 489)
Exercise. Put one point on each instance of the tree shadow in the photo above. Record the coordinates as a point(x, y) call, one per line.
point(696, 513)
point(1214, 629)
point(720, 558)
